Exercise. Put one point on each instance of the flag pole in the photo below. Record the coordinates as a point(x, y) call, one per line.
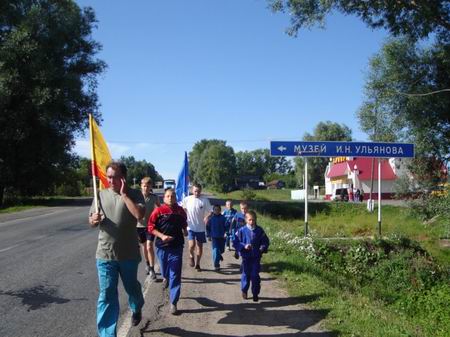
point(94, 181)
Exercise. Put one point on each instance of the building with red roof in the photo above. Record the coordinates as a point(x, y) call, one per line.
point(357, 173)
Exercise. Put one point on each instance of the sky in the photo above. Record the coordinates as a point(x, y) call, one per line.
point(180, 71)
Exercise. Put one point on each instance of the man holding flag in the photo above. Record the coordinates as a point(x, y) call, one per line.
point(115, 211)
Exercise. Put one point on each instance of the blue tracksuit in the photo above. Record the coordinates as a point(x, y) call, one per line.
point(229, 215)
point(216, 230)
point(251, 259)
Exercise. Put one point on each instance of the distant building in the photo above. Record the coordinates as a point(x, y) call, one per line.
point(356, 173)
point(252, 182)
point(275, 184)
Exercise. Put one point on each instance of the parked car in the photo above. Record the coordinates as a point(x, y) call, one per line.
point(340, 194)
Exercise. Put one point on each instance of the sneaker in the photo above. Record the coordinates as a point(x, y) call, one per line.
point(236, 255)
point(136, 318)
point(244, 295)
point(173, 309)
point(152, 274)
point(216, 268)
point(229, 249)
point(191, 261)
point(255, 298)
point(165, 283)
point(197, 267)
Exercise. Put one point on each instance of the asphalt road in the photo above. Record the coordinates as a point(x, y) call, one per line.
point(48, 280)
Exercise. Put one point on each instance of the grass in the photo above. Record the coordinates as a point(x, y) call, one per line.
point(17, 205)
point(386, 305)
point(14, 209)
point(272, 195)
point(350, 314)
point(349, 220)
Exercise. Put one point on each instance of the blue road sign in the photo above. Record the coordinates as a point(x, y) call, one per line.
point(341, 149)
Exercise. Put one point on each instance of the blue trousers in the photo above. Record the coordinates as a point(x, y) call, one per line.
point(171, 261)
point(108, 300)
point(218, 247)
point(250, 269)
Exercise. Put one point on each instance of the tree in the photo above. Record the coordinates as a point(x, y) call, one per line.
point(47, 88)
point(197, 151)
point(217, 167)
point(138, 169)
point(416, 19)
point(407, 92)
point(324, 131)
point(259, 163)
point(392, 112)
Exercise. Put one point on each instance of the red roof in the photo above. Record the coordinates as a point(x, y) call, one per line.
point(338, 170)
point(364, 166)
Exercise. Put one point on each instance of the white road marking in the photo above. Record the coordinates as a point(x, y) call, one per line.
point(31, 216)
point(8, 248)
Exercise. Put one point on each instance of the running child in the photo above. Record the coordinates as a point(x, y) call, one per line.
point(216, 231)
point(251, 242)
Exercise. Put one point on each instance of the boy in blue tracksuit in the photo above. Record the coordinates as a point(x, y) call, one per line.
point(251, 242)
point(216, 231)
point(238, 221)
point(229, 214)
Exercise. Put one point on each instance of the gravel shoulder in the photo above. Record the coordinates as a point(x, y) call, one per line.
point(211, 305)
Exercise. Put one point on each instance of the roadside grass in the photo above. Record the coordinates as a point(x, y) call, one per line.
point(350, 314)
point(352, 220)
point(393, 286)
point(21, 204)
point(272, 194)
point(14, 209)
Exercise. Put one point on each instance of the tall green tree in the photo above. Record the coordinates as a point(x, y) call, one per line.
point(408, 89)
point(217, 167)
point(260, 163)
point(324, 131)
point(138, 169)
point(48, 83)
point(404, 101)
point(195, 155)
point(416, 19)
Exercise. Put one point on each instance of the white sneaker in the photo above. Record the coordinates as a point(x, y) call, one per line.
point(173, 309)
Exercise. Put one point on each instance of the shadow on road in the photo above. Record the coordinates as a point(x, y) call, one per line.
point(271, 312)
point(38, 297)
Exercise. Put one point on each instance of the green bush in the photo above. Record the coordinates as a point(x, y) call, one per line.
point(248, 194)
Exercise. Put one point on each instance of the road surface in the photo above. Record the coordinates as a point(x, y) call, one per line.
point(48, 279)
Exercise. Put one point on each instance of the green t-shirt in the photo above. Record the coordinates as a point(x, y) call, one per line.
point(150, 202)
point(117, 238)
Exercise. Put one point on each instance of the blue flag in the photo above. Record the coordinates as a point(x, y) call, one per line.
point(182, 188)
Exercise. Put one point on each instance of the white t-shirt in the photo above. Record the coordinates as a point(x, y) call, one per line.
point(196, 209)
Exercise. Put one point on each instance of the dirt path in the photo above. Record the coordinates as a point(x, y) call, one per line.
point(211, 305)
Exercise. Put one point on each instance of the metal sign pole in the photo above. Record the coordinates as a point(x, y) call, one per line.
point(379, 197)
point(306, 196)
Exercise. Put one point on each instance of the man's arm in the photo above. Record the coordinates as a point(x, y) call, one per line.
point(136, 209)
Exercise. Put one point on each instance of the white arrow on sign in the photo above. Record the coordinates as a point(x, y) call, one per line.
point(282, 148)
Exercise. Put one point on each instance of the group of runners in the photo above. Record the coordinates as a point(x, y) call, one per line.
point(164, 227)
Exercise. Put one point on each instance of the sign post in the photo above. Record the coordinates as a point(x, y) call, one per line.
point(341, 149)
point(306, 196)
point(379, 197)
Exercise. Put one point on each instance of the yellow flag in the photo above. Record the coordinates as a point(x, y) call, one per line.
point(99, 152)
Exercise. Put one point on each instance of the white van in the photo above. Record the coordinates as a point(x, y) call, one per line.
point(169, 183)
